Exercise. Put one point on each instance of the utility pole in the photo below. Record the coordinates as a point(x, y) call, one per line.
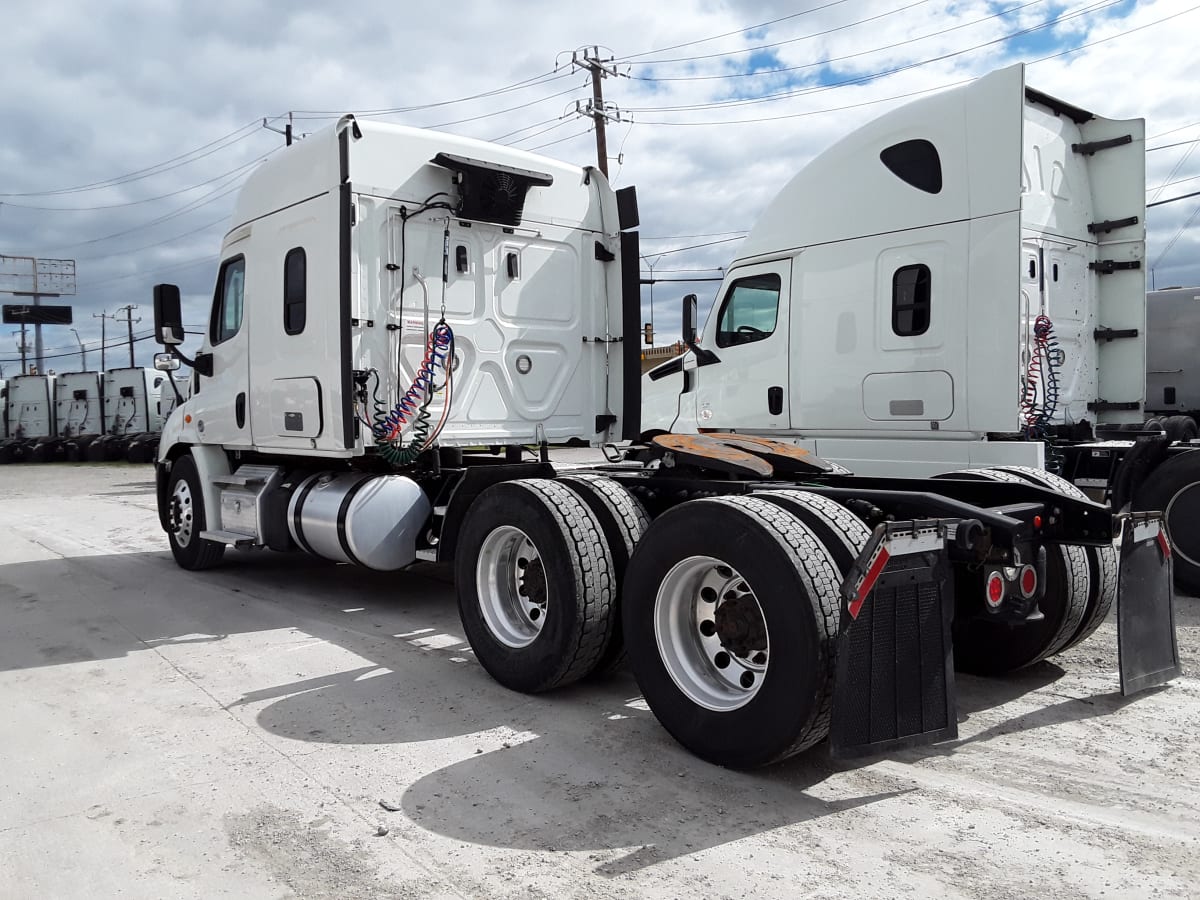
point(599, 113)
point(286, 131)
point(82, 352)
point(102, 316)
point(24, 348)
point(129, 320)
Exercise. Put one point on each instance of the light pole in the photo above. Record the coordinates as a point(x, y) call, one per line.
point(82, 351)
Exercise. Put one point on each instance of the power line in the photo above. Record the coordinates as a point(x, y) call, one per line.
point(1169, 146)
point(915, 93)
point(532, 81)
point(717, 37)
point(156, 169)
point(825, 61)
point(184, 190)
point(860, 79)
point(771, 46)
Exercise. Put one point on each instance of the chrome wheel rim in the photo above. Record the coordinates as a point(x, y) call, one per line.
point(183, 513)
point(511, 582)
point(711, 633)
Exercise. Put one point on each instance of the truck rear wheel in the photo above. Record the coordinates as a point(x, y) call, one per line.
point(1103, 565)
point(1174, 488)
point(843, 533)
point(187, 516)
point(987, 647)
point(1180, 428)
point(624, 520)
point(535, 584)
point(730, 618)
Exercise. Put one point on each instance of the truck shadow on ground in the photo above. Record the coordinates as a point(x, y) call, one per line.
point(586, 768)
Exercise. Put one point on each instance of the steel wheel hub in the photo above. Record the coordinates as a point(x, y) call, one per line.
point(511, 583)
point(182, 513)
point(711, 633)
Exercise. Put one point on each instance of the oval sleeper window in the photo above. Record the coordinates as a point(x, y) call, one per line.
point(915, 162)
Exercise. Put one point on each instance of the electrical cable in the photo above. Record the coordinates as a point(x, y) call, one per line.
point(860, 79)
point(128, 203)
point(771, 46)
point(1039, 401)
point(532, 81)
point(717, 37)
point(149, 171)
point(915, 93)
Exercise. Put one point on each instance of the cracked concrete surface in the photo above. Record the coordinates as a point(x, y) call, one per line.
point(232, 733)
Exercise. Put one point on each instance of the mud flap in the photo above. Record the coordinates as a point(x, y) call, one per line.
point(1146, 644)
point(894, 682)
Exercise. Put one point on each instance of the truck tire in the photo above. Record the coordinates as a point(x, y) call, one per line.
point(842, 533)
point(188, 518)
point(624, 520)
point(1174, 488)
point(535, 584)
point(984, 647)
point(1180, 428)
point(1103, 562)
point(714, 586)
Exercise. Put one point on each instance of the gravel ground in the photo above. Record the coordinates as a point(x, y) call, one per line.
point(283, 727)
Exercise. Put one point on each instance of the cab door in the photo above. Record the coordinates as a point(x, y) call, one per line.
point(745, 389)
point(221, 408)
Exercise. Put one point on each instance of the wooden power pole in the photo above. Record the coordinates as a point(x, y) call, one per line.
point(600, 113)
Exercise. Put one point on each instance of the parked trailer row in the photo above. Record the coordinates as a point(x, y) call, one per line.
point(82, 416)
point(417, 295)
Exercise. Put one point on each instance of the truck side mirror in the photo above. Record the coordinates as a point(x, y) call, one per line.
point(168, 319)
point(689, 320)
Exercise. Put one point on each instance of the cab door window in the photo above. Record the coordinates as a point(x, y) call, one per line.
point(229, 299)
point(750, 310)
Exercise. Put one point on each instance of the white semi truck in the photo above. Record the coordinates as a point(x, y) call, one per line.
point(956, 286)
point(404, 321)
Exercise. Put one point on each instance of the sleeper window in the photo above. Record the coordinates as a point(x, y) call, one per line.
point(911, 300)
point(295, 291)
point(750, 310)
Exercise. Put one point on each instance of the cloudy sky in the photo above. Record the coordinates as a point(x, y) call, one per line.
point(126, 127)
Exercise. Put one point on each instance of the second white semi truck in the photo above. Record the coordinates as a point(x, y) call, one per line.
point(404, 322)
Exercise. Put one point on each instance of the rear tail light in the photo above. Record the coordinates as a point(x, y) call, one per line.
point(1028, 580)
point(995, 590)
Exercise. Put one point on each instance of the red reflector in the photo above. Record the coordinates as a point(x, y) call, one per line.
point(1164, 544)
point(868, 582)
point(1037, 521)
point(995, 589)
point(1028, 581)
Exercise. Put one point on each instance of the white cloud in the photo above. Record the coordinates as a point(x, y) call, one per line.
point(95, 91)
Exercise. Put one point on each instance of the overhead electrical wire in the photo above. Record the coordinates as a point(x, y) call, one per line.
point(773, 45)
point(717, 37)
point(860, 79)
point(175, 162)
point(127, 203)
point(532, 81)
point(915, 93)
point(825, 61)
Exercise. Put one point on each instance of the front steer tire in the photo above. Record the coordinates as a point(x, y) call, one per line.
point(187, 518)
point(779, 585)
point(536, 585)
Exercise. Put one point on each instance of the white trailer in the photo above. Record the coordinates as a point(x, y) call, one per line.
point(30, 406)
point(1172, 368)
point(419, 298)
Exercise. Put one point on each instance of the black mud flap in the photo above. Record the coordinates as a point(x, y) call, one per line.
point(894, 682)
point(1146, 644)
